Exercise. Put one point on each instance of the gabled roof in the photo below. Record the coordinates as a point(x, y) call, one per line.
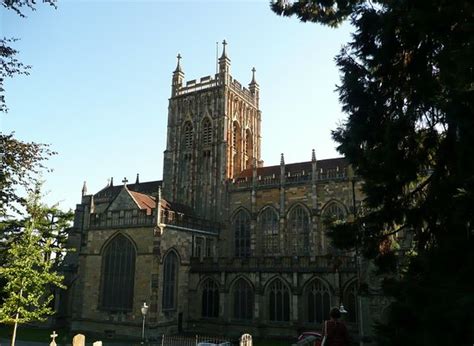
point(147, 188)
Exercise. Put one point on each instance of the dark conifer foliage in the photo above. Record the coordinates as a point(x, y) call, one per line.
point(407, 87)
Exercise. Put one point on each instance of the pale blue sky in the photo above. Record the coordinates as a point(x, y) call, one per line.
point(99, 87)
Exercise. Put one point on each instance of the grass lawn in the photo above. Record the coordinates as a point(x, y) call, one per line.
point(25, 333)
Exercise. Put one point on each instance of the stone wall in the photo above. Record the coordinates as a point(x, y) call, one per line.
point(87, 308)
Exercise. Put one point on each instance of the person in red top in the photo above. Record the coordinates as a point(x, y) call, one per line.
point(335, 331)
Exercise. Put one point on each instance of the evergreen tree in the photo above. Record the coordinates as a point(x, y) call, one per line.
point(408, 90)
point(29, 268)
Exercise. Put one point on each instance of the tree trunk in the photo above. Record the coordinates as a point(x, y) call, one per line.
point(17, 316)
point(14, 329)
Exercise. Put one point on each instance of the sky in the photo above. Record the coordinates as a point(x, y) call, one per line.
point(101, 79)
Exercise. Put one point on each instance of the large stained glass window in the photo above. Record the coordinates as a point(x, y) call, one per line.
point(118, 274)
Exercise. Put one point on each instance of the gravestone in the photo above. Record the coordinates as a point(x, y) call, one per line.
point(246, 340)
point(53, 336)
point(79, 340)
point(97, 343)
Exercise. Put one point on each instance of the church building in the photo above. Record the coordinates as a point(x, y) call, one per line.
point(223, 244)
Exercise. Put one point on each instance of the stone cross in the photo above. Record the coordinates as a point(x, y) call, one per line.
point(179, 57)
point(79, 340)
point(53, 336)
point(125, 181)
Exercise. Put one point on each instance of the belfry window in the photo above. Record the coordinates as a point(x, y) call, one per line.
point(243, 300)
point(206, 132)
point(269, 226)
point(279, 302)
point(237, 147)
point(241, 226)
point(188, 135)
point(170, 276)
point(210, 299)
point(318, 302)
point(299, 227)
point(235, 134)
point(118, 274)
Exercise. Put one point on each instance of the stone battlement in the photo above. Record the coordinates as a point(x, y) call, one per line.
point(193, 85)
point(289, 178)
point(209, 82)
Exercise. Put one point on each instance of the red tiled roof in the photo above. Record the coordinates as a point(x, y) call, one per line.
point(144, 201)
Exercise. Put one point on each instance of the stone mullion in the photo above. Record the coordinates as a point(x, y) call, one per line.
point(294, 301)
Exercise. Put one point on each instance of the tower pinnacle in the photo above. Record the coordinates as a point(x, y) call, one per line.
point(178, 77)
point(224, 55)
point(84, 189)
point(253, 76)
point(253, 86)
point(178, 66)
point(224, 62)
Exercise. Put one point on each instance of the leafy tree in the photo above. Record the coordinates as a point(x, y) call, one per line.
point(408, 90)
point(20, 166)
point(30, 264)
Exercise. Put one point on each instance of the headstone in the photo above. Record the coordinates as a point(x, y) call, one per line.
point(246, 340)
point(79, 340)
point(97, 343)
point(53, 336)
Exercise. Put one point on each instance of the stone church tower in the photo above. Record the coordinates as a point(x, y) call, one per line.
point(213, 134)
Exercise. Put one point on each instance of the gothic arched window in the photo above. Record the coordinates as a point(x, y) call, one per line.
point(334, 211)
point(318, 302)
point(299, 227)
point(350, 302)
point(269, 227)
point(118, 274)
point(206, 132)
point(243, 300)
point(188, 135)
point(241, 227)
point(210, 299)
point(278, 302)
point(170, 278)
